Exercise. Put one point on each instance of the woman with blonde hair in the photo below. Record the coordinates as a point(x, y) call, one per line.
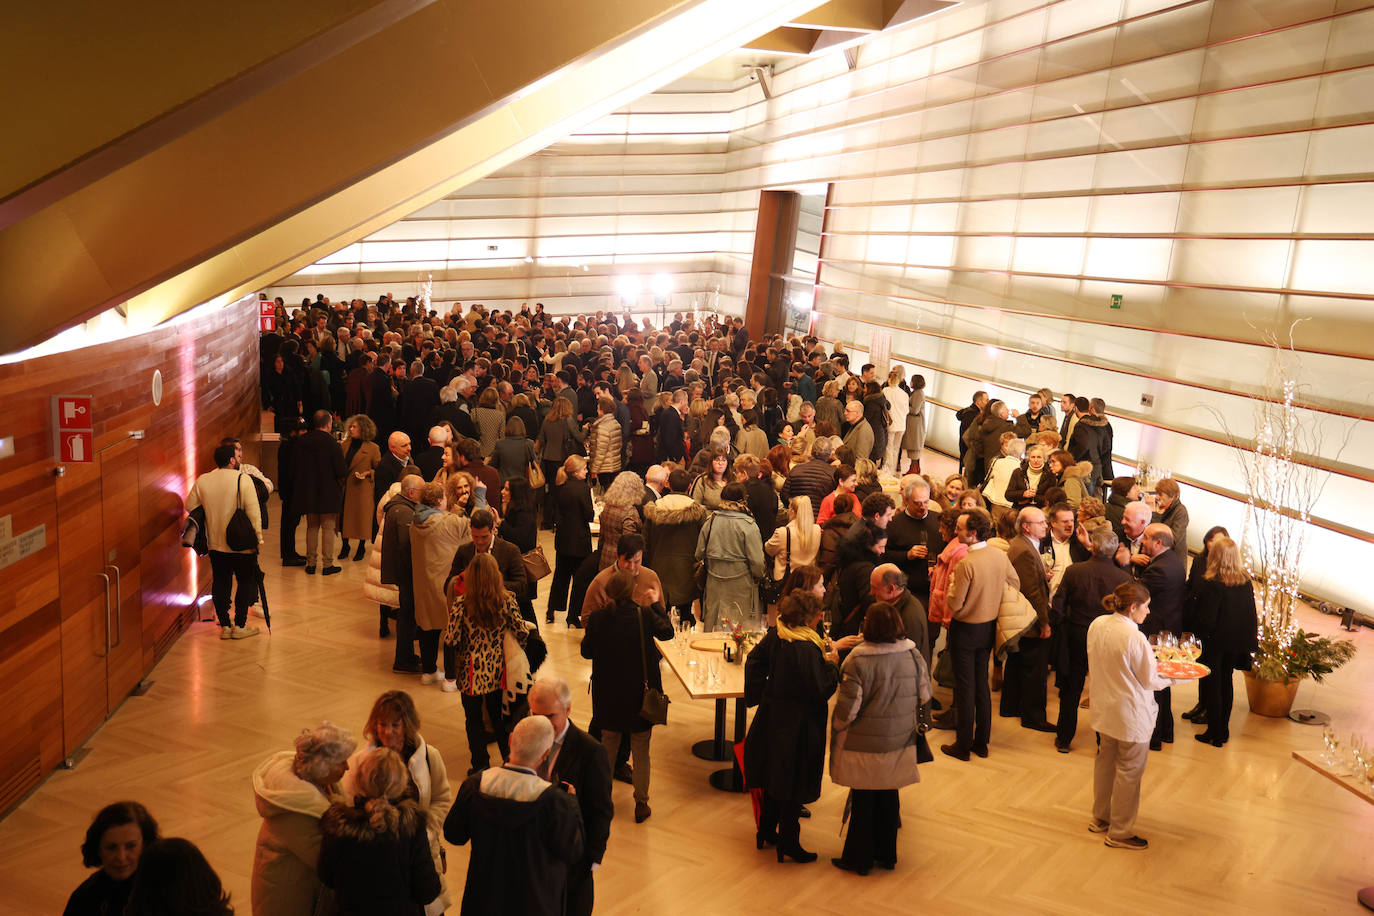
point(361, 456)
point(461, 492)
point(1222, 612)
point(828, 407)
point(482, 613)
point(795, 544)
point(489, 419)
point(572, 537)
point(375, 852)
point(559, 438)
point(620, 514)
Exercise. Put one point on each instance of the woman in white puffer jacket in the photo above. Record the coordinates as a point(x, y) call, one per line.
point(386, 596)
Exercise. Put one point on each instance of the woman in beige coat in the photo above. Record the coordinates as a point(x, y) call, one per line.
point(883, 685)
point(292, 790)
point(388, 598)
point(362, 456)
point(435, 536)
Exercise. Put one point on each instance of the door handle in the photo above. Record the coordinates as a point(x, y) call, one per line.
point(119, 608)
point(107, 616)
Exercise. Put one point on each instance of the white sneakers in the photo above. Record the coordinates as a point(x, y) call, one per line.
point(449, 687)
point(225, 632)
point(242, 633)
point(432, 678)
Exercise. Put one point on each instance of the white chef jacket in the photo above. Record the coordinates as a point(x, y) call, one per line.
point(1124, 676)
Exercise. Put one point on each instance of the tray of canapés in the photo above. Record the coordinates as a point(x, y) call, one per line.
point(1177, 658)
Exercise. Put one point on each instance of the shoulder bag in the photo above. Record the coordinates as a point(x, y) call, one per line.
point(536, 564)
point(699, 571)
point(535, 474)
point(239, 534)
point(654, 707)
point(918, 735)
point(770, 589)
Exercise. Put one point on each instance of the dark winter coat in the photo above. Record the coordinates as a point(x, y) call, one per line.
point(832, 533)
point(573, 514)
point(784, 753)
point(522, 851)
point(814, 478)
point(318, 473)
point(377, 872)
point(612, 642)
point(672, 524)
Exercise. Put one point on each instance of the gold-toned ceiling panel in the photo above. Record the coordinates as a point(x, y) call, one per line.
point(317, 141)
point(81, 76)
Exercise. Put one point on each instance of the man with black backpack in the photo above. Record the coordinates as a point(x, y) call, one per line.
point(222, 493)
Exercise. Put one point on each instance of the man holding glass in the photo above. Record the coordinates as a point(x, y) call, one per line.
point(1163, 575)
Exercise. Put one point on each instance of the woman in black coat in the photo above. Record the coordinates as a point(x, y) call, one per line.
point(1224, 618)
point(784, 754)
point(520, 526)
point(374, 853)
point(1195, 573)
point(283, 396)
point(1034, 469)
point(620, 642)
point(572, 536)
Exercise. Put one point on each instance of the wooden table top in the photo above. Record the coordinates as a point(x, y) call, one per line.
point(1312, 760)
point(732, 675)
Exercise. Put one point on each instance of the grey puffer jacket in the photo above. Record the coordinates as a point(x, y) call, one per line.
point(872, 743)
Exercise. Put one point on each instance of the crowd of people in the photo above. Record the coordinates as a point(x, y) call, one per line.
point(687, 472)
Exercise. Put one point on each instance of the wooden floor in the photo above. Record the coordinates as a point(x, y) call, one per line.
point(1240, 829)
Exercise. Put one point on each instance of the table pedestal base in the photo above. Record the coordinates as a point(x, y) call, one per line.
point(711, 749)
point(730, 780)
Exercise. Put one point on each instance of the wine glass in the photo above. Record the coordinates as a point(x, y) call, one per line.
point(713, 669)
point(1328, 742)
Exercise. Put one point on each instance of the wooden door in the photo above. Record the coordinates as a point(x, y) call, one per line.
point(80, 544)
point(119, 504)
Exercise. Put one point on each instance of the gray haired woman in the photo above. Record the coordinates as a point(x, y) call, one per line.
point(292, 790)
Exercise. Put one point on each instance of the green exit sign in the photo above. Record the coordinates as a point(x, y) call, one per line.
point(1116, 301)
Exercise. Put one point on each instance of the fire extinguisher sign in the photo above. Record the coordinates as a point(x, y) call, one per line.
point(73, 428)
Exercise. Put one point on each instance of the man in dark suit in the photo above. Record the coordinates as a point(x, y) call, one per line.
point(357, 385)
point(381, 399)
point(1023, 679)
point(1167, 581)
point(506, 554)
point(966, 416)
point(579, 760)
point(431, 458)
point(393, 463)
point(420, 396)
point(671, 445)
point(318, 484)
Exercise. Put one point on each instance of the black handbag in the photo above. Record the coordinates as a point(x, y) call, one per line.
point(770, 589)
point(654, 707)
point(240, 534)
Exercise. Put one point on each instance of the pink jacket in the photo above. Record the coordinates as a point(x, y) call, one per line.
point(939, 580)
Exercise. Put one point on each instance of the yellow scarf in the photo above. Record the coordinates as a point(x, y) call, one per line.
point(798, 634)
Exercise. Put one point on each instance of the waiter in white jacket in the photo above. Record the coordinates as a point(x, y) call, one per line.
point(1123, 712)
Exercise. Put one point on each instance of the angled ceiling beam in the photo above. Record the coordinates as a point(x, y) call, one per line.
point(786, 40)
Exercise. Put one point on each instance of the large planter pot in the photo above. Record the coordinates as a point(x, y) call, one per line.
point(1271, 698)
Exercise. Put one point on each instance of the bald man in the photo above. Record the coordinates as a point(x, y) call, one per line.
point(392, 465)
point(860, 435)
point(396, 568)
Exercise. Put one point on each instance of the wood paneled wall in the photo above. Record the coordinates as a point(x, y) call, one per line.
point(49, 639)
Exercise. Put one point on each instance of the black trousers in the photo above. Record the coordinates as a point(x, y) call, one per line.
point(874, 816)
point(227, 568)
point(1070, 680)
point(550, 475)
point(477, 730)
point(290, 521)
point(580, 891)
point(405, 625)
point(1164, 718)
point(970, 644)
point(783, 816)
point(563, 568)
point(582, 578)
point(1023, 680)
point(1217, 692)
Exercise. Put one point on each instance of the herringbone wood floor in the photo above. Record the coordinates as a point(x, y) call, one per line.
point(1241, 829)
